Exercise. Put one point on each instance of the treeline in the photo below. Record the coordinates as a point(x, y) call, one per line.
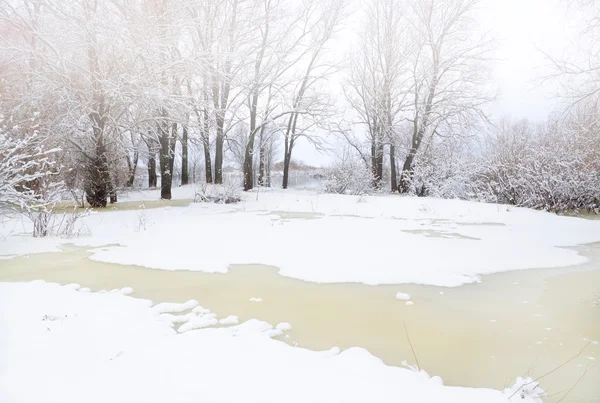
point(188, 88)
point(117, 84)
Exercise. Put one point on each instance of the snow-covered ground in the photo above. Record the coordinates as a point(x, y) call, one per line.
point(327, 238)
point(58, 344)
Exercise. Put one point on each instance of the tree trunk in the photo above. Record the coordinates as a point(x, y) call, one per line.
point(207, 163)
point(206, 145)
point(97, 175)
point(374, 164)
point(287, 160)
point(407, 172)
point(132, 168)
point(262, 157)
point(248, 171)
point(393, 175)
point(288, 147)
point(380, 162)
point(166, 178)
point(184, 157)
point(407, 168)
point(152, 177)
point(219, 152)
point(419, 131)
point(112, 192)
point(286, 170)
point(172, 148)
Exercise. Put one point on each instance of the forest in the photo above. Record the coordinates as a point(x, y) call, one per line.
point(101, 96)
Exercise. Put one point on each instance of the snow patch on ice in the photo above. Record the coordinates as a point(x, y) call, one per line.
point(507, 240)
point(254, 299)
point(402, 296)
point(409, 303)
point(200, 310)
point(283, 326)
point(172, 307)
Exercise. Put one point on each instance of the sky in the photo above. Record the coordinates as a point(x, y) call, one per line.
point(524, 30)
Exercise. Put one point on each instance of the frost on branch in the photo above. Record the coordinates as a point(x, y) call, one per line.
point(348, 175)
point(27, 180)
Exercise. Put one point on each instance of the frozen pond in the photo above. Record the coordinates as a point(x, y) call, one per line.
point(480, 335)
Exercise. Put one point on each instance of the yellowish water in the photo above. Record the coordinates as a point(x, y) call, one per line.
point(480, 335)
point(69, 207)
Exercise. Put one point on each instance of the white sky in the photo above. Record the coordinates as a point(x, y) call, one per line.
point(523, 28)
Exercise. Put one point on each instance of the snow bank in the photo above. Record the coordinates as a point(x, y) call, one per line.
point(114, 348)
point(417, 240)
point(198, 322)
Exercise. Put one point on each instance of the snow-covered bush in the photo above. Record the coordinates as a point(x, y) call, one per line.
point(28, 180)
point(348, 175)
point(442, 169)
point(142, 222)
point(552, 167)
point(70, 225)
point(221, 194)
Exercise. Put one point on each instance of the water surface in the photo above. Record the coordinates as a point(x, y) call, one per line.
point(480, 335)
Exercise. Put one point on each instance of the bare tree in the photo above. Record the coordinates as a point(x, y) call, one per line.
point(378, 82)
point(330, 14)
point(449, 70)
point(577, 71)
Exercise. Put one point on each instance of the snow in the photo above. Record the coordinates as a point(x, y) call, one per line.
point(230, 320)
point(173, 319)
point(419, 240)
point(402, 296)
point(123, 342)
point(170, 307)
point(409, 303)
point(283, 326)
point(198, 322)
point(254, 299)
point(274, 332)
point(200, 310)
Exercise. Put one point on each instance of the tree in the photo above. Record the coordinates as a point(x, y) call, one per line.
point(577, 72)
point(378, 83)
point(317, 69)
point(448, 73)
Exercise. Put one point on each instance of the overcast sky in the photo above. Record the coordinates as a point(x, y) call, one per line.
point(523, 28)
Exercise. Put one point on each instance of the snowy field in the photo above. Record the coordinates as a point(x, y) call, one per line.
point(74, 345)
point(60, 344)
point(326, 238)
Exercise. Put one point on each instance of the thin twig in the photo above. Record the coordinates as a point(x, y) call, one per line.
point(546, 395)
point(573, 387)
point(551, 371)
point(411, 346)
point(564, 363)
point(528, 374)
